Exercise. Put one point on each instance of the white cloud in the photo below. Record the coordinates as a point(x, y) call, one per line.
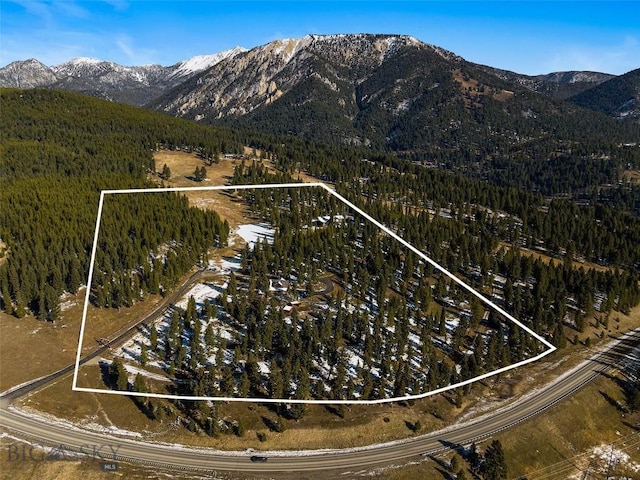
point(69, 8)
point(119, 5)
point(616, 58)
point(127, 53)
point(124, 44)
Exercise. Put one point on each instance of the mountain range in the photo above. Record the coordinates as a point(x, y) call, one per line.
point(388, 93)
point(559, 85)
point(139, 85)
point(133, 85)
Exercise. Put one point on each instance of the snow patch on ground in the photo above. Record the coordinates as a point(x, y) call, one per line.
point(112, 429)
point(51, 420)
point(604, 458)
point(134, 371)
point(200, 292)
point(609, 455)
point(68, 304)
point(226, 265)
point(252, 233)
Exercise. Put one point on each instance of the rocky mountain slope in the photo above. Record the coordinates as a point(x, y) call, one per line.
point(27, 74)
point(387, 91)
point(133, 85)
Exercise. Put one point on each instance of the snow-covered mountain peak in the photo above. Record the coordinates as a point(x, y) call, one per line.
point(80, 61)
point(203, 62)
point(79, 65)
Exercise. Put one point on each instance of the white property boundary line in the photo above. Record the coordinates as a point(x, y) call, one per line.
point(485, 300)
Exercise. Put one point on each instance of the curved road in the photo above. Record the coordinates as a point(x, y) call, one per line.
point(43, 432)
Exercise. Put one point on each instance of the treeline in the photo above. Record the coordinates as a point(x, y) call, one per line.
point(57, 151)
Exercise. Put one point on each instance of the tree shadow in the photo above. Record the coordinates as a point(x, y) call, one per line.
point(337, 410)
point(451, 399)
point(613, 402)
point(106, 376)
point(270, 424)
point(144, 404)
point(456, 447)
point(415, 427)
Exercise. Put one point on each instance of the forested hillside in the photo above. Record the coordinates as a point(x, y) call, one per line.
point(618, 97)
point(58, 150)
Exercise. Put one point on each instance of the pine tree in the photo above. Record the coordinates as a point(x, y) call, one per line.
point(144, 355)
point(495, 465)
point(209, 338)
point(139, 384)
point(153, 338)
point(166, 172)
point(280, 425)
point(245, 385)
point(119, 375)
point(240, 429)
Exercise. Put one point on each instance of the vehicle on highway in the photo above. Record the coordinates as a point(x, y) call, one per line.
point(258, 458)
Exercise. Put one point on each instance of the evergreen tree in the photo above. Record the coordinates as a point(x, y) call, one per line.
point(166, 172)
point(119, 375)
point(495, 465)
point(144, 355)
point(153, 338)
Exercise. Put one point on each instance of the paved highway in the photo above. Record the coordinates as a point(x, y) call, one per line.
point(43, 432)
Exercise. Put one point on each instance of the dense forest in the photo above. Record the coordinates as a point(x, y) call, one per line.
point(60, 149)
point(147, 241)
point(405, 343)
point(481, 236)
point(602, 228)
point(57, 151)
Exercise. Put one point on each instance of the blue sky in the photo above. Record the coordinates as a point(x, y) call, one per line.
point(524, 36)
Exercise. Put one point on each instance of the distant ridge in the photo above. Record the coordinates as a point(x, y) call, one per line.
point(133, 85)
point(560, 85)
point(386, 93)
point(618, 97)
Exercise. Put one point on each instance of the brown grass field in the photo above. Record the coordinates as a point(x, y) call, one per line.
point(632, 176)
point(228, 206)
